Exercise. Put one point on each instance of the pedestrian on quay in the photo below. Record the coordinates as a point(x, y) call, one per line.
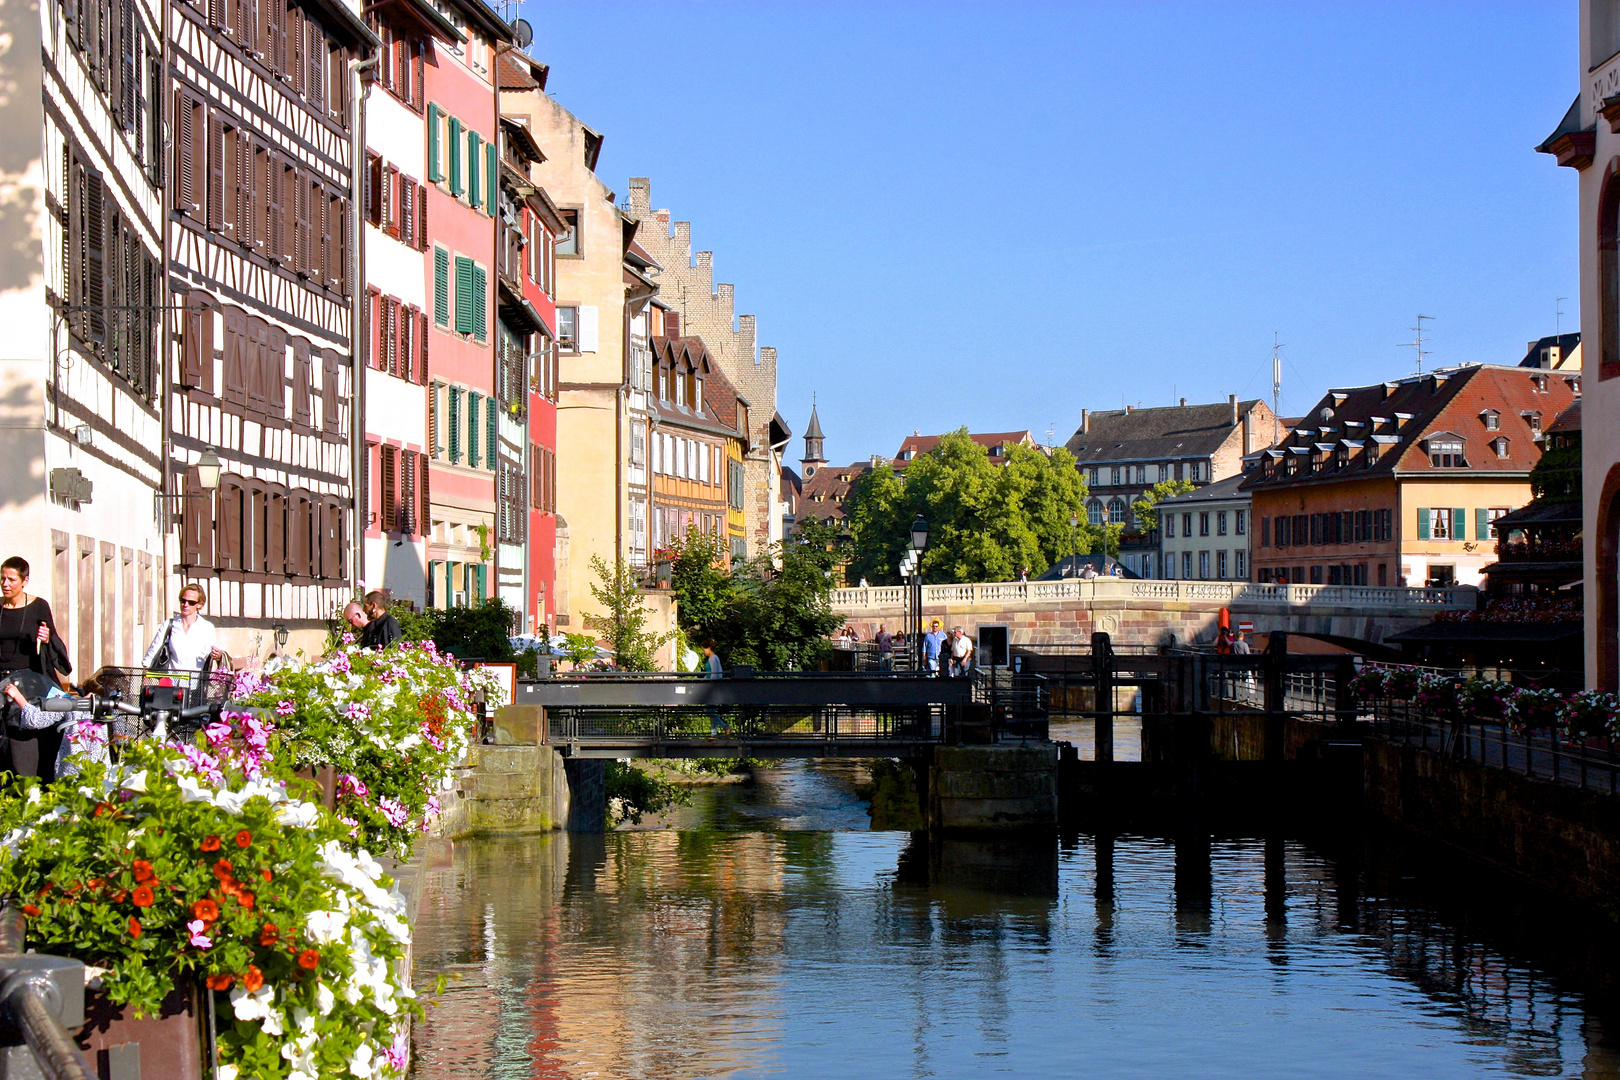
point(713, 669)
point(1240, 645)
point(186, 641)
point(961, 653)
point(382, 629)
point(355, 616)
point(885, 648)
point(29, 642)
point(932, 641)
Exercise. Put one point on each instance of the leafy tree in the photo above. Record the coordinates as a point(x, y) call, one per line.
point(1147, 517)
point(479, 631)
point(624, 622)
point(986, 521)
point(632, 792)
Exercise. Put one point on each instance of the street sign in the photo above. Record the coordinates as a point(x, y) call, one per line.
point(1246, 626)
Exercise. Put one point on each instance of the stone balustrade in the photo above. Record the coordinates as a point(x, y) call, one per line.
point(1127, 590)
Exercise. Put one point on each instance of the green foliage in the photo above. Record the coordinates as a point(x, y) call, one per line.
point(579, 649)
point(771, 612)
point(624, 621)
point(1147, 517)
point(415, 625)
point(160, 873)
point(632, 792)
point(1557, 475)
point(986, 521)
point(480, 631)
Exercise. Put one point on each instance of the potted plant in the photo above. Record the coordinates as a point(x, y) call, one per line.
point(178, 869)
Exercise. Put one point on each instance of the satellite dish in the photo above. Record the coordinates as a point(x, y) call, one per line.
point(524, 32)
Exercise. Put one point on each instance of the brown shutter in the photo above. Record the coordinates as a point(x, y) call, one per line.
point(421, 217)
point(191, 345)
point(275, 228)
point(374, 189)
point(196, 522)
point(407, 343)
point(296, 37)
point(247, 23)
point(386, 178)
point(275, 375)
point(185, 152)
point(407, 211)
point(275, 530)
point(289, 214)
point(388, 497)
point(426, 514)
point(422, 348)
point(233, 378)
point(253, 364)
point(329, 540)
point(418, 73)
point(301, 385)
point(298, 540)
point(216, 172)
point(330, 417)
point(228, 517)
point(315, 53)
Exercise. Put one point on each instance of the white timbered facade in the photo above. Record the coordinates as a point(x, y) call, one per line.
point(262, 264)
point(79, 370)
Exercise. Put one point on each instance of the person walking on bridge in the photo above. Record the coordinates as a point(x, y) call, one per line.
point(885, 648)
point(932, 641)
point(714, 670)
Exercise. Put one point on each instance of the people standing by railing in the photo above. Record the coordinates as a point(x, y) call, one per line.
point(29, 642)
point(381, 629)
point(933, 641)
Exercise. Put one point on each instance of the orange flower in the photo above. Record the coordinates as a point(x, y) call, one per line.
point(265, 874)
point(143, 896)
point(224, 871)
point(95, 883)
point(206, 910)
point(118, 897)
point(134, 928)
point(30, 910)
point(269, 934)
point(210, 843)
point(243, 838)
point(253, 979)
point(245, 898)
point(143, 871)
point(220, 982)
point(308, 959)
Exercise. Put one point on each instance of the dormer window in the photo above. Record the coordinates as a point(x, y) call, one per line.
point(1372, 454)
point(1540, 383)
point(1343, 457)
point(1501, 447)
point(697, 403)
point(1492, 420)
point(1447, 453)
point(1532, 418)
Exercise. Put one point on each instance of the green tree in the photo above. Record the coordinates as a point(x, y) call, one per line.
point(1146, 516)
point(624, 621)
point(480, 631)
point(986, 521)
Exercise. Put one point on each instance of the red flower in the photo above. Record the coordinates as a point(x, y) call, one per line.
point(210, 843)
point(95, 883)
point(118, 897)
point(269, 934)
point(244, 838)
point(224, 871)
point(253, 979)
point(308, 959)
point(220, 982)
point(143, 896)
point(143, 871)
point(134, 928)
point(245, 898)
point(30, 910)
point(206, 910)
point(265, 874)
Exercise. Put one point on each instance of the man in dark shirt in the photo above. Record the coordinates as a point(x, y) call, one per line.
point(383, 629)
point(885, 647)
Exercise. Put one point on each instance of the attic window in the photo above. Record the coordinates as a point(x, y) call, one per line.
point(1372, 454)
point(1574, 384)
point(1447, 454)
point(1492, 419)
point(1532, 418)
point(1540, 383)
point(1501, 447)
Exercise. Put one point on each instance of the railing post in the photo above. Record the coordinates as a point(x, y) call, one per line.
point(1102, 666)
point(1276, 689)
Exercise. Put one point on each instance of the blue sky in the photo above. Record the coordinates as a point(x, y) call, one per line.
point(998, 215)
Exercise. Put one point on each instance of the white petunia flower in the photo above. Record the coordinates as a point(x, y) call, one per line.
point(360, 1061)
point(136, 782)
point(325, 927)
point(254, 1006)
point(298, 814)
point(226, 1072)
point(191, 790)
point(324, 998)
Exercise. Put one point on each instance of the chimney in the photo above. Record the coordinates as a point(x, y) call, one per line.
point(1183, 403)
point(672, 324)
point(1128, 408)
point(1085, 421)
point(1231, 399)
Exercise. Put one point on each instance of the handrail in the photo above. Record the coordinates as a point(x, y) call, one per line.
point(41, 1003)
point(1248, 593)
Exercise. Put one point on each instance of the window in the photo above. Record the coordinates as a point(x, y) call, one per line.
point(1533, 419)
point(1094, 512)
point(1203, 566)
point(1179, 467)
point(441, 286)
point(1240, 564)
point(1141, 474)
point(472, 308)
point(1186, 565)
point(1170, 526)
point(1501, 447)
point(568, 329)
point(1203, 523)
point(1186, 525)
point(1116, 511)
point(1164, 473)
point(1220, 565)
point(1240, 521)
point(1113, 476)
point(1446, 454)
point(568, 244)
point(1094, 477)
point(1316, 575)
point(1492, 419)
point(1220, 523)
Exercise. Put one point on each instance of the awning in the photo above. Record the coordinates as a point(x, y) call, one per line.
point(427, 15)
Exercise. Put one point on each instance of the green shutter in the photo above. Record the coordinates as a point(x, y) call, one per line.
point(474, 176)
point(464, 295)
point(1423, 523)
point(455, 425)
point(493, 177)
point(472, 429)
point(482, 574)
point(1482, 523)
point(455, 156)
point(441, 286)
point(491, 437)
point(480, 318)
point(1459, 523)
point(434, 172)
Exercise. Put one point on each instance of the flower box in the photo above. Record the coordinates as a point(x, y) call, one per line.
point(174, 1043)
point(325, 778)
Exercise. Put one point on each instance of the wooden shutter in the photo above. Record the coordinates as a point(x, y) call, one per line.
point(251, 363)
point(480, 302)
point(1482, 523)
point(434, 172)
point(275, 375)
point(331, 540)
point(455, 425)
point(330, 416)
point(388, 504)
point(475, 180)
point(233, 378)
point(441, 286)
point(388, 177)
point(306, 260)
point(288, 211)
point(473, 457)
point(295, 56)
point(275, 531)
point(453, 134)
point(418, 72)
point(228, 525)
point(185, 181)
point(433, 420)
point(491, 181)
point(216, 171)
point(373, 195)
point(197, 342)
point(490, 418)
point(298, 534)
point(301, 411)
point(422, 348)
point(464, 295)
point(410, 462)
point(197, 522)
point(315, 56)
point(407, 211)
point(405, 352)
point(93, 239)
point(426, 512)
point(1423, 523)
point(1459, 523)
point(387, 352)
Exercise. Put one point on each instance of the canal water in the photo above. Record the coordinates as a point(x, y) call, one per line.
point(766, 932)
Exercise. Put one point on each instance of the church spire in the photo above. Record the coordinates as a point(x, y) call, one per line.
point(813, 457)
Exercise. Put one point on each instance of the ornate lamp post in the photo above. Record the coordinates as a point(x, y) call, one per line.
point(1074, 539)
point(919, 540)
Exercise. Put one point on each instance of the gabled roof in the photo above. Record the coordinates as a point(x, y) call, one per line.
point(922, 444)
point(1220, 489)
point(1568, 420)
point(1170, 431)
point(1565, 342)
point(822, 496)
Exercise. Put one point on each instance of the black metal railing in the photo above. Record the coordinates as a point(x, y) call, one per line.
point(1591, 765)
point(41, 1005)
point(747, 723)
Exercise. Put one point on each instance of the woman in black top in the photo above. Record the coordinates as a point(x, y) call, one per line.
point(28, 640)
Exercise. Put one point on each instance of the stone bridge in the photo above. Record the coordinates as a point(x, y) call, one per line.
point(1147, 612)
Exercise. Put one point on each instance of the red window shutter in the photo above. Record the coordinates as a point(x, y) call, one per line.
point(374, 308)
point(385, 196)
point(407, 211)
point(388, 500)
point(406, 358)
point(374, 189)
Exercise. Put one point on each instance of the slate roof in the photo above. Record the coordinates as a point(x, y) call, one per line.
point(1171, 431)
point(1399, 416)
point(1220, 489)
point(814, 430)
point(822, 495)
point(1566, 344)
point(922, 444)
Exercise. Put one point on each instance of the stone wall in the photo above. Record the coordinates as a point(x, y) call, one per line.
point(522, 789)
point(992, 787)
point(1557, 837)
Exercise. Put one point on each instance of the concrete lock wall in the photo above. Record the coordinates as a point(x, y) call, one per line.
point(519, 785)
point(1560, 838)
point(992, 787)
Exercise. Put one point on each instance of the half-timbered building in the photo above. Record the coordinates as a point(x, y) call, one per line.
point(463, 401)
point(261, 263)
point(80, 298)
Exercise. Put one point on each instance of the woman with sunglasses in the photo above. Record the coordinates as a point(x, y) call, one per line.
point(189, 636)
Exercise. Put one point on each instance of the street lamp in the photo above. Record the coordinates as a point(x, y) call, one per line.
point(208, 468)
point(919, 540)
point(1074, 539)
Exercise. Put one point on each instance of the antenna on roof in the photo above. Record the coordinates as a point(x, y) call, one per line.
point(1558, 316)
point(1276, 389)
point(1051, 434)
point(1417, 342)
